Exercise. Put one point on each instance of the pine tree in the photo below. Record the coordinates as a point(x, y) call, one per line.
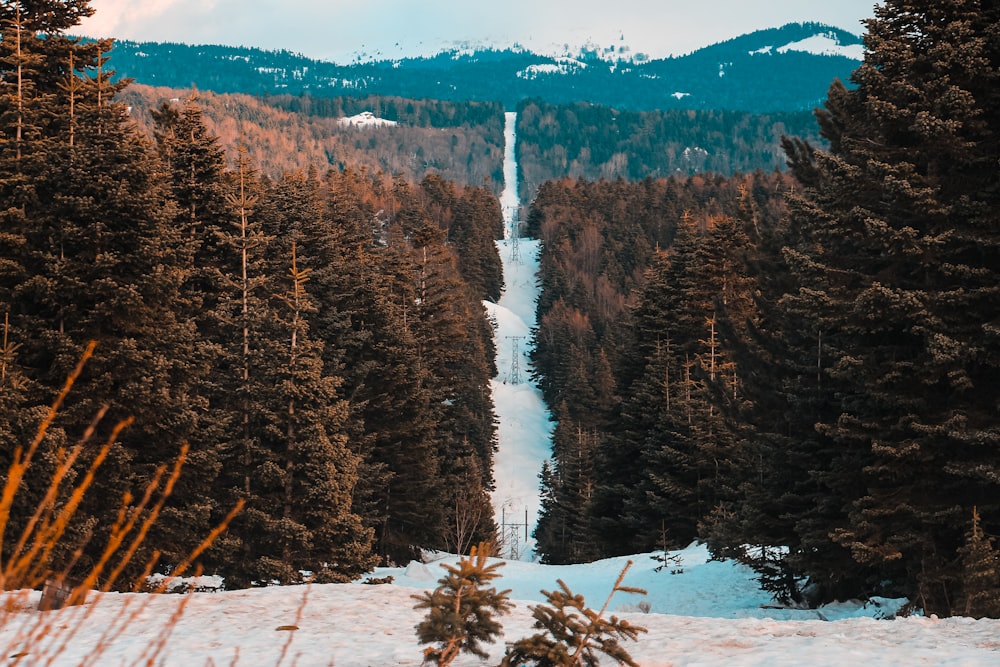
point(240, 321)
point(366, 287)
point(574, 634)
point(306, 482)
point(104, 261)
point(894, 248)
point(980, 573)
point(563, 534)
point(461, 610)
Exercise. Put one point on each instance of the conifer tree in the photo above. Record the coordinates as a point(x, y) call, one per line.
point(574, 634)
point(305, 482)
point(104, 262)
point(893, 249)
point(563, 534)
point(448, 324)
point(980, 573)
point(367, 289)
point(461, 610)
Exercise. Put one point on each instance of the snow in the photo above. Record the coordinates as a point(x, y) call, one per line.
point(825, 44)
point(699, 612)
point(708, 615)
point(364, 119)
point(509, 199)
point(525, 429)
point(563, 65)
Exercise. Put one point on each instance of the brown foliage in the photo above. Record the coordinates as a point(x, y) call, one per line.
point(279, 141)
point(30, 563)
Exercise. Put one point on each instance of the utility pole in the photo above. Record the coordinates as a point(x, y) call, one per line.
point(515, 360)
point(515, 234)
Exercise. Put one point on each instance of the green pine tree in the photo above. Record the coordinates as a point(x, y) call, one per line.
point(574, 635)
point(563, 534)
point(461, 611)
point(893, 248)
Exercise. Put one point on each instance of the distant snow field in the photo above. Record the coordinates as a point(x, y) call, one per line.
point(825, 44)
point(365, 119)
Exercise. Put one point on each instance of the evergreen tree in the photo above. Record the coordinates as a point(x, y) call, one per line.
point(980, 573)
point(197, 175)
point(461, 610)
point(104, 262)
point(243, 321)
point(567, 486)
point(305, 482)
point(367, 290)
point(573, 634)
point(894, 248)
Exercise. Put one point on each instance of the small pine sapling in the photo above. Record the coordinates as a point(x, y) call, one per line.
point(980, 573)
point(667, 559)
point(461, 610)
point(575, 634)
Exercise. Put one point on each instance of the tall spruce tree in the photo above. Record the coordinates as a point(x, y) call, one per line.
point(894, 248)
point(95, 256)
point(567, 482)
point(366, 293)
point(306, 478)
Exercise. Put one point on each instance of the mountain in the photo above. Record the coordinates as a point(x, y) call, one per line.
point(779, 69)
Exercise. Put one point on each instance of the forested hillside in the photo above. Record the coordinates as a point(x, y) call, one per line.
point(802, 370)
point(461, 142)
point(629, 333)
point(582, 140)
point(318, 339)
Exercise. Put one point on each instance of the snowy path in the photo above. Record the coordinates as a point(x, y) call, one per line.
point(524, 427)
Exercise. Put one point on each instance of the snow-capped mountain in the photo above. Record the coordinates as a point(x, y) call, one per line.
point(780, 69)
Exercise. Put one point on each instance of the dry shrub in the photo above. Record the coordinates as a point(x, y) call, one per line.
point(41, 636)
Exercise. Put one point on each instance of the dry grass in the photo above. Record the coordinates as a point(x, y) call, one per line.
point(41, 636)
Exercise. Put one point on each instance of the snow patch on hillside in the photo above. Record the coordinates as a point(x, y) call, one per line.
point(364, 119)
point(825, 44)
point(561, 66)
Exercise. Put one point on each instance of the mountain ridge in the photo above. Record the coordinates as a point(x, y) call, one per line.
point(762, 71)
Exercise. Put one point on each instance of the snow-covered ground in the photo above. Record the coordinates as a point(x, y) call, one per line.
point(524, 429)
point(711, 614)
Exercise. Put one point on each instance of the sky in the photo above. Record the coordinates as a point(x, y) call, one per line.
point(345, 30)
